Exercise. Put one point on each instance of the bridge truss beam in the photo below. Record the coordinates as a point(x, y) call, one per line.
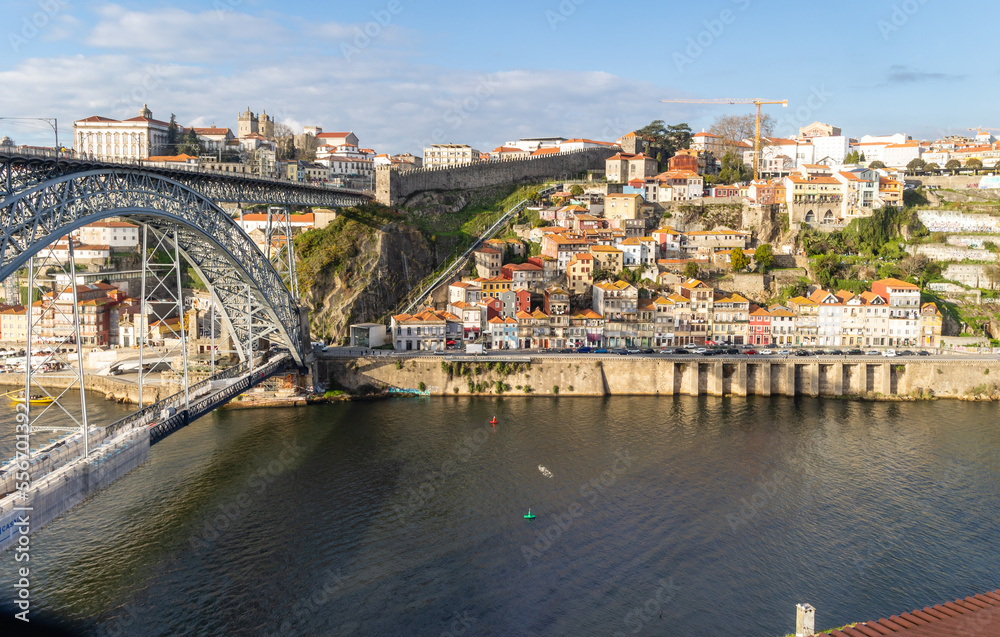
point(220, 251)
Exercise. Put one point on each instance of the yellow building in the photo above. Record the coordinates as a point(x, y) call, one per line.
point(622, 206)
point(930, 326)
point(608, 258)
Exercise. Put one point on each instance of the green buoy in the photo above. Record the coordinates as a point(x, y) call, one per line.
point(530, 516)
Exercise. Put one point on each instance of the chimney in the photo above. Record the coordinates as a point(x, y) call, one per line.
point(805, 620)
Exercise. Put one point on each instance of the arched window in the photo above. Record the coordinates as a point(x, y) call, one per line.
point(810, 217)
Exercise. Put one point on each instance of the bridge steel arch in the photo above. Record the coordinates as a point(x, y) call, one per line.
point(238, 274)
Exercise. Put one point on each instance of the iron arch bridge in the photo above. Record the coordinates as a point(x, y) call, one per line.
point(47, 195)
point(223, 255)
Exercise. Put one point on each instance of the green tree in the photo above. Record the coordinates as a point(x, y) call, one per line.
point(953, 165)
point(691, 270)
point(576, 190)
point(668, 139)
point(533, 194)
point(738, 260)
point(172, 134)
point(930, 167)
point(827, 266)
point(916, 165)
point(974, 163)
point(764, 255)
point(733, 170)
point(190, 144)
point(989, 245)
point(876, 164)
point(852, 157)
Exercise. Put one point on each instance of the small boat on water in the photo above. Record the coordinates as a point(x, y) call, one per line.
point(545, 472)
point(530, 515)
point(35, 399)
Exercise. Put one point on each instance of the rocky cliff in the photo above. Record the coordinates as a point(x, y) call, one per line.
point(361, 274)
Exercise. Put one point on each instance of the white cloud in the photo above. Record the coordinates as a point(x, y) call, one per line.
point(392, 102)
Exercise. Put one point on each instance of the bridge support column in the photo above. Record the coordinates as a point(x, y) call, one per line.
point(716, 380)
point(764, 372)
point(740, 384)
point(838, 379)
point(813, 371)
point(789, 371)
point(886, 384)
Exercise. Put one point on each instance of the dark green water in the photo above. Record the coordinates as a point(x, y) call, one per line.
point(405, 517)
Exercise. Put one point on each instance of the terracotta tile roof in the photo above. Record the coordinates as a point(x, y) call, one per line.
point(896, 283)
point(97, 118)
point(976, 615)
point(211, 131)
point(546, 151)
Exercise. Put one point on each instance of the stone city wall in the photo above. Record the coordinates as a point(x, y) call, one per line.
point(394, 186)
point(589, 375)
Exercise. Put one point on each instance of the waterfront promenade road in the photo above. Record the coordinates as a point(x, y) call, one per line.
point(680, 354)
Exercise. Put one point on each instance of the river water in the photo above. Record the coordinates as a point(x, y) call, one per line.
point(405, 517)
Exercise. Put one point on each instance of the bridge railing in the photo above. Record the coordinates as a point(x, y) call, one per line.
point(51, 153)
point(147, 414)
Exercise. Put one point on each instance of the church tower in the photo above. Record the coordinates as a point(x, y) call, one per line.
point(247, 124)
point(266, 125)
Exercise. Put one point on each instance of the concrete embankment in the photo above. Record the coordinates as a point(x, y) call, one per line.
point(51, 494)
point(120, 391)
point(604, 376)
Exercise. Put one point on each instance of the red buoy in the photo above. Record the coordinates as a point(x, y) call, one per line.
point(494, 421)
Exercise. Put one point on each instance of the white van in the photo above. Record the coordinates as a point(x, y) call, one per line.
point(889, 353)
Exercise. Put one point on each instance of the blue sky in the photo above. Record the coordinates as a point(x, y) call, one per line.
point(403, 73)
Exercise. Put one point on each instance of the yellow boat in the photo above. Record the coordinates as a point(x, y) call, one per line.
point(36, 399)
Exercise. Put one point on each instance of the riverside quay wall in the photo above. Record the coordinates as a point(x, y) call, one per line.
point(394, 186)
point(587, 375)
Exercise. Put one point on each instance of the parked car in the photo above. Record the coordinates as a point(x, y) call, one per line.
point(566, 350)
point(750, 352)
point(732, 350)
point(667, 350)
point(819, 352)
point(889, 353)
point(601, 350)
point(691, 346)
point(923, 352)
point(802, 352)
point(906, 352)
point(872, 352)
point(784, 352)
point(855, 352)
point(621, 351)
point(709, 352)
point(765, 352)
point(634, 350)
point(835, 352)
point(700, 350)
point(583, 350)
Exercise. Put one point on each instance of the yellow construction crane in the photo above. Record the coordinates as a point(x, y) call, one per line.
point(981, 129)
point(739, 100)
